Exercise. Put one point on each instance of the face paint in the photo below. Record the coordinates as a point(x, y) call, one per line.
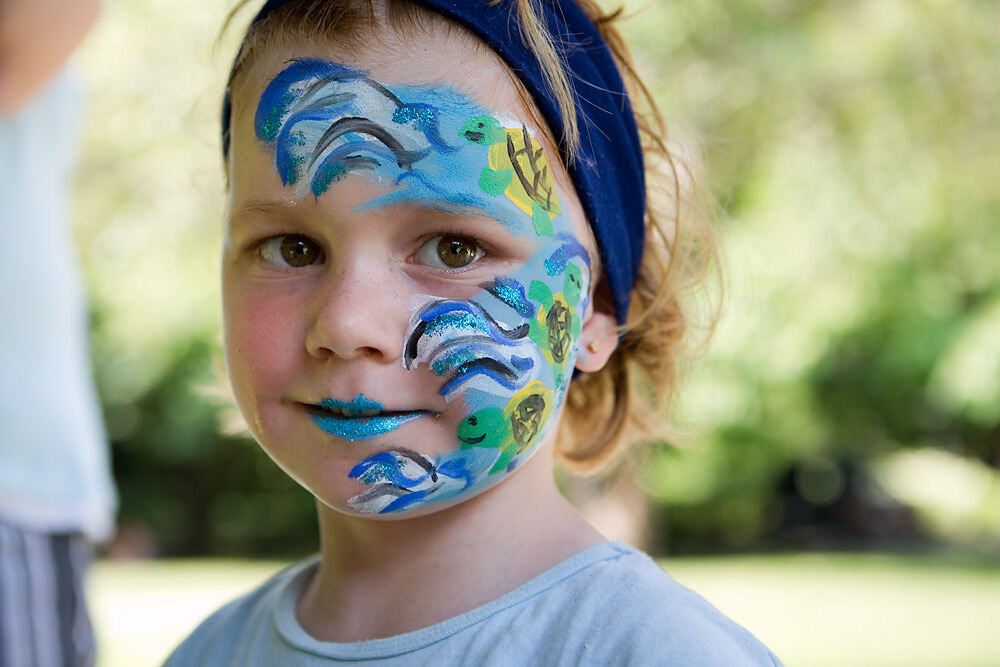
point(502, 355)
point(401, 478)
point(512, 293)
point(360, 418)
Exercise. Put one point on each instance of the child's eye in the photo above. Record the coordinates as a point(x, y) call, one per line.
point(290, 250)
point(449, 252)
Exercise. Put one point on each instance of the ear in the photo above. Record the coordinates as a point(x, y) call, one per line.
point(598, 340)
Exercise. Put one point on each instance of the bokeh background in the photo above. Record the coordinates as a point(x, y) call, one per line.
point(837, 485)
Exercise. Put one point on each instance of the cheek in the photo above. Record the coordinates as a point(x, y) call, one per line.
point(262, 343)
point(553, 281)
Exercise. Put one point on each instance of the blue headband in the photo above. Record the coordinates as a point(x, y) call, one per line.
point(608, 169)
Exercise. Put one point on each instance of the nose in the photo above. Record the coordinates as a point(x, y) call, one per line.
point(358, 311)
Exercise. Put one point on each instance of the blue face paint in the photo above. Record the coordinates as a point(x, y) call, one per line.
point(359, 418)
point(556, 263)
point(399, 478)
point(512, 293)
point(445, 318)
point(326, 120)
point(507, 351)
point(355, 406)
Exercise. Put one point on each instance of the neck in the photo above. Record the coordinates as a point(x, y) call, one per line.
point(383, 578)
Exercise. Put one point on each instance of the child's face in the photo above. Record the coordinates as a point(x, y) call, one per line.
point(404, 283)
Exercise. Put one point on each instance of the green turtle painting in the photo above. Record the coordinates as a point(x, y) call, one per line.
point(517, 168)
point(512, 430)
point(557, 325)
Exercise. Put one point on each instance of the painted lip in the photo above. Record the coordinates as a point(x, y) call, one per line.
point(360, 418)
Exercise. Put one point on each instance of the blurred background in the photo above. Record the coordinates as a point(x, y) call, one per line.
point(837, 488)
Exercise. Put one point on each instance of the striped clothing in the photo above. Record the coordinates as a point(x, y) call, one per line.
point(43, 618)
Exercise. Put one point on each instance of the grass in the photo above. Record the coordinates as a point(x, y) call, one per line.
point(813, 610)
point(858, 609)
point(142, 609)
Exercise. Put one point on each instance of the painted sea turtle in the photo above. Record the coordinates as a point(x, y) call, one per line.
point(512, 430)
point(517, 168)
point(557, 324)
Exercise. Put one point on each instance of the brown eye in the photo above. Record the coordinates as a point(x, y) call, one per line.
point(449, 252)
point(456, 252)
point(291, 250)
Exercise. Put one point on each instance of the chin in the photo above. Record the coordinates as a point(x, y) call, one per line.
point(401, 484)
point(417, 512)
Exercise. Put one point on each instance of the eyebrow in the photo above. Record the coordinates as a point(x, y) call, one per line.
point(438, 205)
point(268, 206)
point(258, 206)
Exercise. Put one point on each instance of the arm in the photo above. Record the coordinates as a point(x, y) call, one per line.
point(36, 38)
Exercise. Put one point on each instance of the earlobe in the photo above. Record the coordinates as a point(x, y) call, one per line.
point(598, 340)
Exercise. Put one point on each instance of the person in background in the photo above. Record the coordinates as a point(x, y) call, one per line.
point(56, 492)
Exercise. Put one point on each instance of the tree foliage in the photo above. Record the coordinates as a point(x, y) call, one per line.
point(854, 150)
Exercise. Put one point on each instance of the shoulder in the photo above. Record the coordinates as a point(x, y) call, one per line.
point(624, 609)
point(242, 628)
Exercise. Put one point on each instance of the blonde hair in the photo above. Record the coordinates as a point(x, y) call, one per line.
point(630, 394)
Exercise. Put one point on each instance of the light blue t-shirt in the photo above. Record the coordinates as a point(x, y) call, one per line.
point(608, 605)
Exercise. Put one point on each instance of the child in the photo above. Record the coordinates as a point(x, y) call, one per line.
point(435, 223)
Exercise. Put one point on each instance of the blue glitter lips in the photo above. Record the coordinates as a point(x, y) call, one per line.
point(360, 418)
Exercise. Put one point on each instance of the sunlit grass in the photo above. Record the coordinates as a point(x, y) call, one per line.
point(142, 609)
point(812, 610)
point(858, 609)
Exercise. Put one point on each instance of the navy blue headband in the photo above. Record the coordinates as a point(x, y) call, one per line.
point(608, 169)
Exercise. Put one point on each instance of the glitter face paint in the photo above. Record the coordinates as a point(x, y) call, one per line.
point(360, 418)
point(403, 478)
point(504, 354)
